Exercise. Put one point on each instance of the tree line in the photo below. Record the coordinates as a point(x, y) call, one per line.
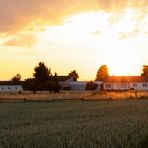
point(43, 79)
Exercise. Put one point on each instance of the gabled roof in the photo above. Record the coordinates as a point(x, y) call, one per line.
point(11, 83)
point(60, 79)
point(124, 79)
point(63, 78)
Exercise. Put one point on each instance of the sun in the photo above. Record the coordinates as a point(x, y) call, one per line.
point(91, 36)
point(122, 62)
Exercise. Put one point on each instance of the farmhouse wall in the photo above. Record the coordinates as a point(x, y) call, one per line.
point(11, 88)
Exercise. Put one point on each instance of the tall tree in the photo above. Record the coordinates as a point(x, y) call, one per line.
point(16, 78)
point(145, 70)
point(102, 73)
point(42, 73)
point(74, 74)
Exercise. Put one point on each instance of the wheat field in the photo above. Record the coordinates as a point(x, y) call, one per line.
point(74, 124)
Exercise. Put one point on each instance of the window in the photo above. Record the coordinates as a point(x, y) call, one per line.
point(9, 87)
point(134, 85)
point(145, 85)
point(16, 88)
point(2, 88)
point(108, 85)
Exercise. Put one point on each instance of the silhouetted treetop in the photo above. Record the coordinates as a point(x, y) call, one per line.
point(55, 77)
point(102, 73)
point(74, 74)
point(42, 73)
point(16, 78)
point(145, 70)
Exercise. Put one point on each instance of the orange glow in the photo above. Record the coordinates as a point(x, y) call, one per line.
point(83, 40)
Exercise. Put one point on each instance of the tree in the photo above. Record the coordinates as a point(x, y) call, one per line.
point(91, 86)
point(42, 72)
point(55, 78)
point(145, 70)
point(74, 74)
point(52, 86)
point(32, 84)
point(28, 84)
point(16, 78)
point(102, 73)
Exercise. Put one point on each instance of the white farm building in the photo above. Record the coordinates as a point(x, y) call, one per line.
point(8, 86)
point(81, 85)
point(77, 85)
point(125, 83)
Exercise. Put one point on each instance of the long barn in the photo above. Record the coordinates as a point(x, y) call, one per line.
point(125, 83)
point(9, 86)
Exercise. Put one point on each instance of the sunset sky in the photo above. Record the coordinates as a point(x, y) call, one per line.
point(73, 34)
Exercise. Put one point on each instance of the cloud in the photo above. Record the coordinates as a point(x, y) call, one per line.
point(24, 40)
point(96, 33)
point(116, 5)
point(124, 35)
point(19, 14)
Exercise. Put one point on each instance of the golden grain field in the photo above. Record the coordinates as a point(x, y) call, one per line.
point(86, 95)
point(74, 124)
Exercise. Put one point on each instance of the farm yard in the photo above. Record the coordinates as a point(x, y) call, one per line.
point(74, 124)
point(74, 74)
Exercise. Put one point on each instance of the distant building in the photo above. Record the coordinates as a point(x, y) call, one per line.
point(64, 81)
point(9, 86)
point(81, 85)
point(78, 85)
point(125, 83)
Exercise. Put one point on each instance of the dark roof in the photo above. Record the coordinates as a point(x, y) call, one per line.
point(60, 78)
point(124, 79)
point(63, 78)
point(11, 83)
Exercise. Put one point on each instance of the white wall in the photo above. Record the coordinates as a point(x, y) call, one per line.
point(139, 86)
point(124, 86)
point(77, 86)
point(10, 88)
